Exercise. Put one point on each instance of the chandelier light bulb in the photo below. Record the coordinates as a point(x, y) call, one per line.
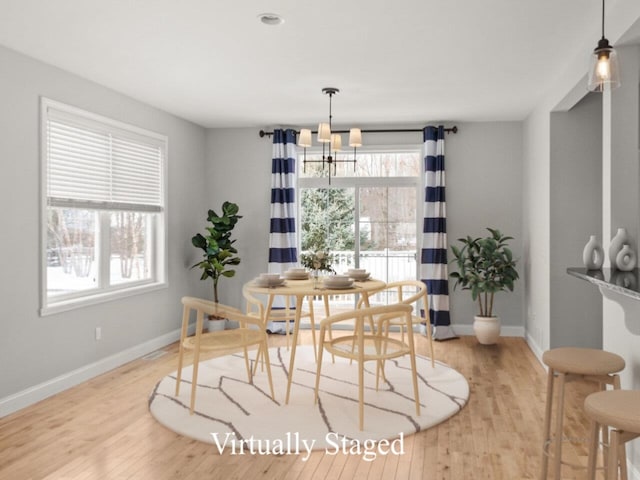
point(604, 70)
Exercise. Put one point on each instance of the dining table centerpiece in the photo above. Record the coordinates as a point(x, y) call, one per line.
point(317, 261)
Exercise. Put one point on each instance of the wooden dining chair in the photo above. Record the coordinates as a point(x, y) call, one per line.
point(408, 292)
point(222, 341)
point(367, 346)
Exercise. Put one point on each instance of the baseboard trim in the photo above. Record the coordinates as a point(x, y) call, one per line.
point(505, 330)
point(31, 395)
point(535, 348)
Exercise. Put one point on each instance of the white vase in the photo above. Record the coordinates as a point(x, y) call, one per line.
point(617, 242)
point(593, 254)
point(487, 329)
point(626, 259)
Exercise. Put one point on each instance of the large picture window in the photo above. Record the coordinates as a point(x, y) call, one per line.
point(367, 217)
point(103, 208)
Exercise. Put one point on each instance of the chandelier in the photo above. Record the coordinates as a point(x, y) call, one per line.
point(604, 65)
point(331, 141)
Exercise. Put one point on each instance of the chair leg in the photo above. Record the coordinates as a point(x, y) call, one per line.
point(557, 460)
point(361, 374)
point(265, 354)
point(612, 466)
point(194, 380)
point(593, 450)
point(259, 359)
point(622, 454)
point(430, 338)
point(287, 316)
point(247, 366)
point(196, 360)
point(547, 425)
point(380, 363)
point(327, 312)
point(183, 335)
point(414, 369)
point(312, 321)
point(319, 365)
point(622, 458)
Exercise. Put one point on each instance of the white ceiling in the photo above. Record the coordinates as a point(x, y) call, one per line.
point(395, 62)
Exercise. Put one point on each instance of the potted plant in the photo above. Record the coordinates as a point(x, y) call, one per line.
point(218, 251)
point(485, 266)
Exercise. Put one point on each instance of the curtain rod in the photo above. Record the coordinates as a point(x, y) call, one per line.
point(453, 130)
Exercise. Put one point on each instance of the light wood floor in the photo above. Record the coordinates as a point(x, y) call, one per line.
point(102, 429)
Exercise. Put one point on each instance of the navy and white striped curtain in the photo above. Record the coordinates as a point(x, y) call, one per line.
point(283, 252)
point(433, 262)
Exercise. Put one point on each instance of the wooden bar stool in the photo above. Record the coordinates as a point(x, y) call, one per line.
point(568, 363)
point(620, 410)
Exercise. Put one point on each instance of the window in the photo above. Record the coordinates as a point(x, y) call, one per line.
point(367, 217)
point(103, 208)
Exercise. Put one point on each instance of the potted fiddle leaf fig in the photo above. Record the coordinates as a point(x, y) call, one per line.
point(485, 266)
point(219, 254)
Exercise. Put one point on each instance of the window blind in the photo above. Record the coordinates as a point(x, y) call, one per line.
point(93, 164)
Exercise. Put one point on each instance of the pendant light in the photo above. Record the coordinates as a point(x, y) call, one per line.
point(603, 70)
point(332, 141)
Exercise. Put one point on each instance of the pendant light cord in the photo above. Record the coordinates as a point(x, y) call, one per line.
point(602, 18)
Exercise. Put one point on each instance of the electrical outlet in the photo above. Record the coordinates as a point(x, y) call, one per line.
point(98, 333)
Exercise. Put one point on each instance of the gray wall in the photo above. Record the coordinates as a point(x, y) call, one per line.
point(484, 189)
point(41, 348)
point(576, 213)
point(239, 170)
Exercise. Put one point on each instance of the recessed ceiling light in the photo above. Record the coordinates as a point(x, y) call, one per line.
point(271, 19)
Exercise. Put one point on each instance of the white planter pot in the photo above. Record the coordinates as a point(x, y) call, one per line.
point(216, 325)
point(487, 329)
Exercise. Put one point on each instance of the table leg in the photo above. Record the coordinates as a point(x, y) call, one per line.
point(296, 329)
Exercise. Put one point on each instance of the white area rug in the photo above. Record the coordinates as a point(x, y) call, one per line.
point(227, 404)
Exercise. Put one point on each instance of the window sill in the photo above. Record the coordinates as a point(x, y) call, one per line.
point(102, 297)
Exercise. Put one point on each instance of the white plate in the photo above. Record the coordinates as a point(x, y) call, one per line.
point(262, 283)
point(296, 276)
point(360, 278)
point(336, 283)
point(338, 286)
